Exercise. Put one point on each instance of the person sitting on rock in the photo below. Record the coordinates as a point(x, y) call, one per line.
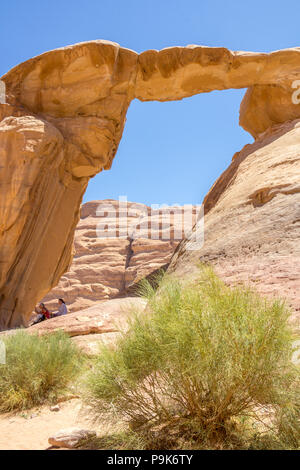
point(42, 314)
point(62, 308)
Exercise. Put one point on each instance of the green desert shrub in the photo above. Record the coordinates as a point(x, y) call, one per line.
point(36, 369)
point(204, 353)
point(119, 440)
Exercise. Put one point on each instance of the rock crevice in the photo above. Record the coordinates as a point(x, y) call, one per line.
point(107, 266)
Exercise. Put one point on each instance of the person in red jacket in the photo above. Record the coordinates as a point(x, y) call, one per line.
point(43, 314)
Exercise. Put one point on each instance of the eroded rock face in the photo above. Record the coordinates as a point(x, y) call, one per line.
point(178, 72)
point(62, 124)
point(39, 212)
point(252, 221)
point(137, 241)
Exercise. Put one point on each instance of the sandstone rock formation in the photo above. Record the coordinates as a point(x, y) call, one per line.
point(89, 344)
point(117, 244)
point(100, 324)
point(252, 221)
point(105, 317)
point(63, 122)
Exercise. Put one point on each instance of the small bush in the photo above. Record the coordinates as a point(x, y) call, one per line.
point(210, 355)
point(36, 369)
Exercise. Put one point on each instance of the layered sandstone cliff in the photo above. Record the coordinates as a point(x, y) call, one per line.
point(117, 245)
point(252, 219)
point(62, 124)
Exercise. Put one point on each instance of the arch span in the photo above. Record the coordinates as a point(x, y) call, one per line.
point(62, 123)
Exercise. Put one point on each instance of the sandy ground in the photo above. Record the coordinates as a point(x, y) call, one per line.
point(30, 430)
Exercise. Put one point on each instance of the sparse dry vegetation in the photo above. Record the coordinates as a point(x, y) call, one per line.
point(37, 369)
point(206, 366)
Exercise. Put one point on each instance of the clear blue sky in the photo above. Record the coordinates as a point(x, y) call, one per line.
point(170, 152)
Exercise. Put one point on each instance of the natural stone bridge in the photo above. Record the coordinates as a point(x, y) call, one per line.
point(63, 122)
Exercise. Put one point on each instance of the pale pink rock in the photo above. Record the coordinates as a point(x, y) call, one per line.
point(105, 268)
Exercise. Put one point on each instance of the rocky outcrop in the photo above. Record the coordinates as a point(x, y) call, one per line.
point(103, 323)
point(62, 124)
point(105, 317)
point(252, 221)
point(178, 72)
point(116, 245)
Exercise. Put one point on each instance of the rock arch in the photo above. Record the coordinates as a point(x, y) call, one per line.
point(62, 123)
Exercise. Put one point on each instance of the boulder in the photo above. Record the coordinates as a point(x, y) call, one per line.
point(71, 438)
point(55, 408)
